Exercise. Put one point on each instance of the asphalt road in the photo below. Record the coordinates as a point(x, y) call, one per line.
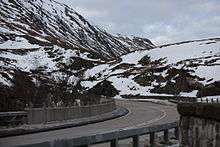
point(140, 114)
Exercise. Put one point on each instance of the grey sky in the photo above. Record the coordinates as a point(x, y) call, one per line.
point(159, 20)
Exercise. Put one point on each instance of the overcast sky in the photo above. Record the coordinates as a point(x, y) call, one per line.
point(162, 21)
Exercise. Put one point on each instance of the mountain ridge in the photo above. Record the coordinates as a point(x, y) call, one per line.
point(56, 23)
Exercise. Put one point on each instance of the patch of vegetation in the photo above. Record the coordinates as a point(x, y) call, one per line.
point(122, 66)
point(159, 62)
point(145, 60)
point(38, 90)
point(169, 88)
point(145, 79)
point(79, 63)
point(104, 88)
point(210, 89)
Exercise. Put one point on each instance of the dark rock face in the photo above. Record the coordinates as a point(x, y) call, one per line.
point(104, 88)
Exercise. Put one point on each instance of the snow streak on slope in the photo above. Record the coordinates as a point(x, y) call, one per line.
point(187, 66)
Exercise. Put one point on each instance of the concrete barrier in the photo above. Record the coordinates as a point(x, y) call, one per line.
point(199, 124)
point(49, 114)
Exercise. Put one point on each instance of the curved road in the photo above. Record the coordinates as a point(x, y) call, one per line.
point(140, 114)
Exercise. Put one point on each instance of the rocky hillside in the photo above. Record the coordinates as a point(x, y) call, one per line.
point(47, 22)
point(50, 54)
point(189, 69)
point(45, 47)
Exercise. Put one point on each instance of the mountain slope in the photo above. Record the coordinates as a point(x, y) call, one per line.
point(45, 47)
point(189, 68)
point(37, 75)
point(50, 54)
point(47, 22)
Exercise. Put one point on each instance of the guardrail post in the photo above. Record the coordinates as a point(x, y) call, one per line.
point(152, 138)
point(114, 143)
point(217, 100)
point(135, 141)
point(176, 133)
point(44, 113)
point(30, 113)
point(166, 136)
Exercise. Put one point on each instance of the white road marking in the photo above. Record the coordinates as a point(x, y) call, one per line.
point(164, 114)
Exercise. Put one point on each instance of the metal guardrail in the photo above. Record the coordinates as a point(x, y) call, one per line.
point(114, 136)
point(184, 99)
point(195, 100)
point(208, 100)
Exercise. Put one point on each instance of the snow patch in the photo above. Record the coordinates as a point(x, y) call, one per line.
point(189, 94)
point(100, 70)
point(31, 61)
point(73, 80)
point(19, 43)
point(5, 81)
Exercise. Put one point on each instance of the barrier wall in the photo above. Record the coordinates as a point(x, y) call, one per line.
point(45, 115)
point(199, 124)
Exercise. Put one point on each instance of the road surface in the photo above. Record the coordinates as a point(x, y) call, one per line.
point(140, 114)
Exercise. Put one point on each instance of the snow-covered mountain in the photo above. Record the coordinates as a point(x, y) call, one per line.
point(190, 68)
point(46, 46)
point(47, 22)
point(50, 54)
